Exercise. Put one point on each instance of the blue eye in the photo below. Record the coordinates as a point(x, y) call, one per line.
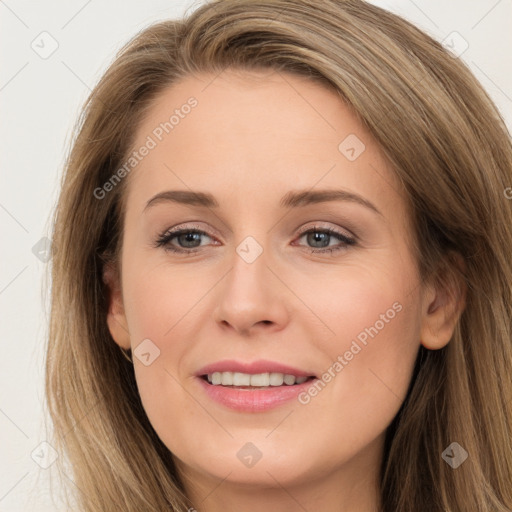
point(189, 240)
point(321, 238)
point(188, 237)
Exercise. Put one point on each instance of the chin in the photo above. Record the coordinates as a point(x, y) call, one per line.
point(263, 463)
point(265, 473)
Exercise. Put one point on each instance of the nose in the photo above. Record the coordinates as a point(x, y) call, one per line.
point(251, 299)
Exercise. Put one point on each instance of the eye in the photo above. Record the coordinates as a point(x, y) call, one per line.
point(189, 240)
point(321, 238)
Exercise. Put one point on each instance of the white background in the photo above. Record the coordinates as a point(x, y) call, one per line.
point(39, 101)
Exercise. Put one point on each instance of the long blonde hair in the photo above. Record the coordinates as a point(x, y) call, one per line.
point(450, 149)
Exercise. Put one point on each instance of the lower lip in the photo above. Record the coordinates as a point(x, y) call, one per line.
point(253, 400)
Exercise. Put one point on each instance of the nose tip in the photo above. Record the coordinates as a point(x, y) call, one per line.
point(249, 299)
point(245, 328)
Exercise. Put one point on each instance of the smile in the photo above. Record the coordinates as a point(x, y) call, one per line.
point(258, 380)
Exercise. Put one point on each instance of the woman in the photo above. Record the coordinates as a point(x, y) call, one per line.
point(281, 271)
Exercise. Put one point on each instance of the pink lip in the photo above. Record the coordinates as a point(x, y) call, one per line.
point(244, 399)
point(260, 366)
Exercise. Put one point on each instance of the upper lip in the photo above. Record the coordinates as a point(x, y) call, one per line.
point(253, 367)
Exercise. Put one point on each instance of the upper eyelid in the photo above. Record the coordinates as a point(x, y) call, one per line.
point(301, 230)
point(342, 232)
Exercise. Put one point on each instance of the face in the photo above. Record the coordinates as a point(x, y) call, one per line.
point(267, 248)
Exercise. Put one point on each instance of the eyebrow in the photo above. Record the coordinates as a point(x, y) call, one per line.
point(293, 199)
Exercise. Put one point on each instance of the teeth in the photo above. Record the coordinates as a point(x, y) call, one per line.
point(260, 380)
point(241, 379)
point(277, 379)
point(289, 379)
point(227, 378)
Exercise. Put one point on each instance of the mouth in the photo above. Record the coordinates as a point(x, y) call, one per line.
point(253, 390)
point(255, 386)
point(254, 381)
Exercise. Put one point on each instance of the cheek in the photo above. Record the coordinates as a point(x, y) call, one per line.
point(167, 305)
point(156, 297)
point(370, 357)
point(369, 361)
point(157, 306)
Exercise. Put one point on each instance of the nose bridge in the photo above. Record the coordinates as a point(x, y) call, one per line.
point(248, 282)
point(253, 258)
point(251, 294)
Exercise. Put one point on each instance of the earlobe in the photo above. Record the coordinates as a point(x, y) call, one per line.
point(116, 318)
point(444, 302)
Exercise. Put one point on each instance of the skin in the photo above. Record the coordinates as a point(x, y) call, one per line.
point(253, 137)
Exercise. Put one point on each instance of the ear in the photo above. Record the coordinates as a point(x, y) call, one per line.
point(116, 319)
point(444, 300)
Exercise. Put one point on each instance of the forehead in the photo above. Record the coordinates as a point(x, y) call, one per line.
point(265, 104)
point(252, 131)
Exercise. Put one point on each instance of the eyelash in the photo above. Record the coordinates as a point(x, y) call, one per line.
point(165, 238)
